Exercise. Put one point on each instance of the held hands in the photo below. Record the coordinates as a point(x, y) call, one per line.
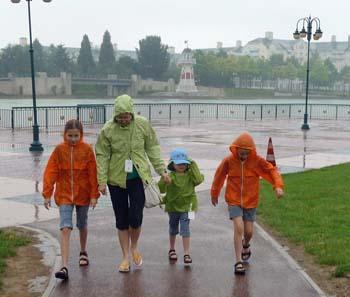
point(102, 189)
point(214, 201)
point(279, 193)
point(47, 203)
point(166, 178)
point(93, 203)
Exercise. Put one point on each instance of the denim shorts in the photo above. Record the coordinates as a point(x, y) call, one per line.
point(248, 214)
point(66, 214)
point(176, 219)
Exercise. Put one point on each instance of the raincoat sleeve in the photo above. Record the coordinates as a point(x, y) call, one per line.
point(51, 174)
point(92, 169)
point(152, 149)
point(103, 154)
point(196, 176)
point(270, 173)
point(219, 178)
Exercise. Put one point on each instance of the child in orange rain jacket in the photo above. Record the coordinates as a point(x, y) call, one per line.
point(243, 169)
point(71, 169)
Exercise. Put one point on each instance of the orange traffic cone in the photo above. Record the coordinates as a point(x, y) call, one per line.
point(270, 156)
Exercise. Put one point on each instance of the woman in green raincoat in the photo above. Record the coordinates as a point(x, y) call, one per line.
point(124, 148)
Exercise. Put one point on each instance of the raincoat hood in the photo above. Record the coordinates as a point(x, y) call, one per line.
point(243, 141)
point(123, 104)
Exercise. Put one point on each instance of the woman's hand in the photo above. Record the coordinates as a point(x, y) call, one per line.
point(102, 189)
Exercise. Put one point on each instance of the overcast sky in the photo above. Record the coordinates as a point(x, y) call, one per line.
point(202, 22)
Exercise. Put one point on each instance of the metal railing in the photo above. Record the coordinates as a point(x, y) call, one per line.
point(54, 116)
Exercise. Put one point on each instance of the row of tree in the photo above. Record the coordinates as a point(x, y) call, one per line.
point(220, 70)
point(153, 61)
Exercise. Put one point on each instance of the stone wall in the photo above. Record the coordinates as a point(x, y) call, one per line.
point(44, 85)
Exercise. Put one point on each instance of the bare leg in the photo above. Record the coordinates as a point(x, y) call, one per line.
point(172, 239)
point(186, 244)
point(238, 228)
point(65, 236)
point(134, 237)
point(83, 233)
point(248, 231)
point(124, 243)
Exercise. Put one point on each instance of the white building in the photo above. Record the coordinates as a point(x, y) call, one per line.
point(186, 83)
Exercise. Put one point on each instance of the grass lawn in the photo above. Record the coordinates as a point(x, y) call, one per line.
point(9, 241)
point(315, 212)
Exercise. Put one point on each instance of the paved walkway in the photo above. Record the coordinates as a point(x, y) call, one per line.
point(269, 274)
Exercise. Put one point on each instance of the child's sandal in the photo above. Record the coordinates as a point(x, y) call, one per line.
point(172, 255)
point(246, 255)
point(187, 259)
point(83, 259)
point(239, 268)
point(62, 274)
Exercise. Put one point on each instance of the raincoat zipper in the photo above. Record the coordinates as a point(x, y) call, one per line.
point(242, 163)
point(71, 172)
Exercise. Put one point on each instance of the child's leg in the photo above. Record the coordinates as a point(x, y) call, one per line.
point(65, 237)
point(185, 232)
point(174, 220)
point(248, 231)
point(66, 226)
point(82, 217)
point(238, 228)
point(172, 240)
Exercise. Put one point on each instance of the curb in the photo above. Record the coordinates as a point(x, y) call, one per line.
point(290, 260)
point(52, 245)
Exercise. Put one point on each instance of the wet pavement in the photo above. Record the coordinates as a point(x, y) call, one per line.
point(211, 274)
point(207, 141)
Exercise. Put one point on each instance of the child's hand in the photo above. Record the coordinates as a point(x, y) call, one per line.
point(102, 189)
point(166, 178)
point(214, 201)
point(47, 203)
point(93, 203)
point(279, 193)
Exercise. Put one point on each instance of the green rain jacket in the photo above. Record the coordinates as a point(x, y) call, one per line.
point(137, 142)
point(180, 194)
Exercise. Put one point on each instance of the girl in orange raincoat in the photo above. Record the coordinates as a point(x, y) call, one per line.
point(242, 169)
point(71, 169)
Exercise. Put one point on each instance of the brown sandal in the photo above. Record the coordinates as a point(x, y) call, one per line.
point(187, 259)
point(246, 255)
point(172, 255)
point(83, 259)
point(239, 268)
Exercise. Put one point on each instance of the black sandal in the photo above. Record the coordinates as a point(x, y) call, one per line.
point(246, 255)
point(172, 255)
point(239, 268)
point(62, 274)
point(83, 259)
point(187, 259)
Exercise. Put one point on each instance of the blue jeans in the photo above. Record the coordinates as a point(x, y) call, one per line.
point(176, 219)
point(66, 214)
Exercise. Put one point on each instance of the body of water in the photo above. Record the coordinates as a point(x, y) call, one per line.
point(13, 102)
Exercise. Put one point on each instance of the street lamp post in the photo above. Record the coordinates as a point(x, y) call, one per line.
point(308, 21)
point(36, 146)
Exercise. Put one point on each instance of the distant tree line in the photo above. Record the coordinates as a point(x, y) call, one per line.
point(153, 61)
point(220, 69)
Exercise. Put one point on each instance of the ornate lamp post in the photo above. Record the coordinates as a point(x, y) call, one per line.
point(307, 21)
point(36, 145)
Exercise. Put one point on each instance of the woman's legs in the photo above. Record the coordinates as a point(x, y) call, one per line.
point(124, 241)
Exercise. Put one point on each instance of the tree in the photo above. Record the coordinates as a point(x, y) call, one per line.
point(153, 57)
point(40, 57)
point(106, 60)
point(126, 66)
point(15, 59)
point(85, 63)
point(58, 61)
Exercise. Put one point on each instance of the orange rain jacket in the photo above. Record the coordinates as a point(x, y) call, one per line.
point(73, 170)
point(242, 186)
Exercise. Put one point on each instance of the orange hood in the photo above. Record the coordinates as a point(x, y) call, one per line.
point(244, 141)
